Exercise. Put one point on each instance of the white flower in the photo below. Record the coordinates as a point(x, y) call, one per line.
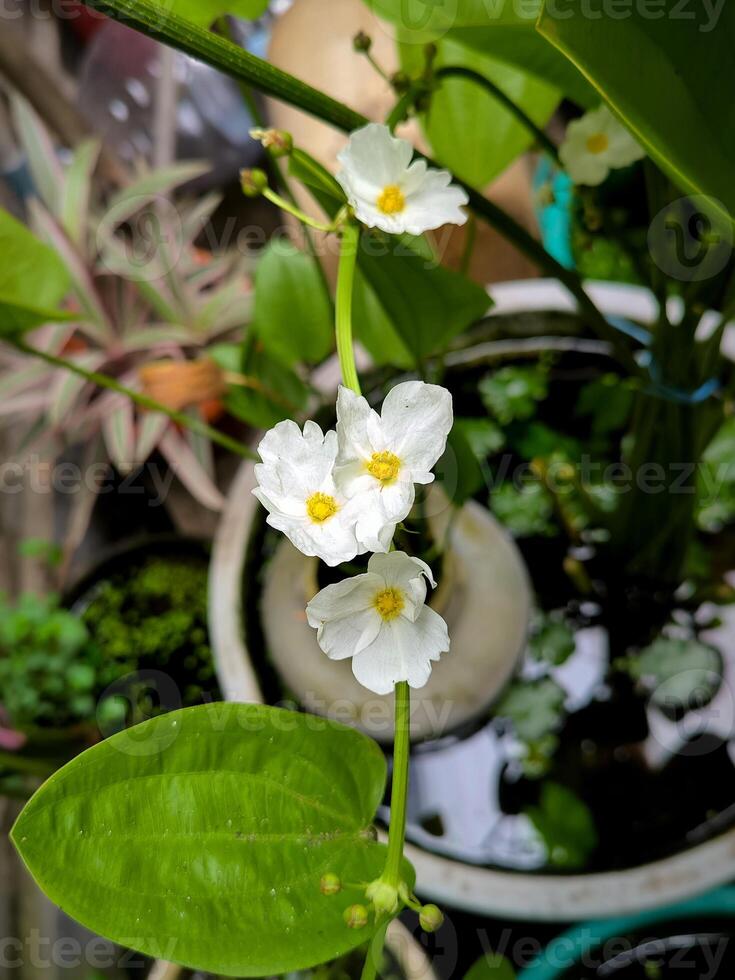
point(296, 487)
point(381, 457)
point(596, 144)
point(387, 191)
point(380, 620)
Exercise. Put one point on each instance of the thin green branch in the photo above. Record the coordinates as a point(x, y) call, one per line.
point(143, 401)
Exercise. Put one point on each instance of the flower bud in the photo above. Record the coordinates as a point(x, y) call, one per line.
point(431, 918)
point(330, 884)
point(253, 182)
point(383, 896)
point(401, 82)
point(277, 142)
point(362, 42)
point(356, 916)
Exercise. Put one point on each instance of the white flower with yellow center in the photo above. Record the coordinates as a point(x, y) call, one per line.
point(596, 144)
point(387, 191)
point(380, 619)
point(296, 487)
point(381, 457)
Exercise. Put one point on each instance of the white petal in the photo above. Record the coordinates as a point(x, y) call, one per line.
point(354, 416)
point(416, 420)
point(402, 651)
point(437, 202)
point(374, 155)
point(344, 617)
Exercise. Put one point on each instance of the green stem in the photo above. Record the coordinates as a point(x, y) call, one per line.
point(343, 315)
point(300, 215)
point(143, 401)
point(399, 789)
point(375, 954)
point(148, 17)
point(451, 71)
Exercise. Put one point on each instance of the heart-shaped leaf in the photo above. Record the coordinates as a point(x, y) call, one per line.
point(201, 836)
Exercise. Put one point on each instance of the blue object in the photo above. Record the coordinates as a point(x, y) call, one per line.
point(572, 945)
point(555, 218)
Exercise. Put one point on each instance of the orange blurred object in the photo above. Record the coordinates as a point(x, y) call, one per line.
point(180, 384)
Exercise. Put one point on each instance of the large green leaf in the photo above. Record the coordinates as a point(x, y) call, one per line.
point(427, 303)
point(503, 29)
point(669, 78)
point(201, 836)
point(32, 279)
point(293, 315)
point(470, 131)
point(205, 12)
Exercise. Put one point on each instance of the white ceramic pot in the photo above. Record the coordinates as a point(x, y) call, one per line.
point(480, 890)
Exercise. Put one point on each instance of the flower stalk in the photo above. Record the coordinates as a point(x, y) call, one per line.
point(343, 313)
point(399, 789)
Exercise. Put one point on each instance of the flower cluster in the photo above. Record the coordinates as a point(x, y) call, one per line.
point(340, 494)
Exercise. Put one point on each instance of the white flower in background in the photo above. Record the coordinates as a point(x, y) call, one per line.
point(596, 144)
point(387, 191)
point(381, 457)
point(296, 487)
point(380, 620)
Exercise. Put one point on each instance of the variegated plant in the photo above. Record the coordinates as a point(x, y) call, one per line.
point(144, 294)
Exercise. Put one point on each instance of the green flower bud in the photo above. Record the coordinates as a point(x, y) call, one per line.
point(362, 42)
point(253, 182)
point(383, 897)
point(431, 918)
point(277, 142)
point(330, 884)
point(356, 916)
point(401, 82)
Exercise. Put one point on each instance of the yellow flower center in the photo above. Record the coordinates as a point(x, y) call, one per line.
point(391, 200)
point(598, 143)
point(384, 466)
point(389, 603)
point(320, 507)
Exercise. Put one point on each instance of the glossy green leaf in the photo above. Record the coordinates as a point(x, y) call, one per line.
point(502, 29)
point(33, 279)
point(667, 76)
point(292, 315)
point(202, 835)
point(205, 12)
point(272, 390)
point(470, 131)
point(427, 303)
point(374, 329)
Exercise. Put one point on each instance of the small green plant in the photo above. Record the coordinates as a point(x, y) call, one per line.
point(49, 666)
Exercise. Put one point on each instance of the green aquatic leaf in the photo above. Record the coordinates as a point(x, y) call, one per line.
point(201, 837)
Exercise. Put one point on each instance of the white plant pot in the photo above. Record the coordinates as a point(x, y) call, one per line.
point(480, 890)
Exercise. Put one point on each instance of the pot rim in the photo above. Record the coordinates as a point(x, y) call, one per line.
point(484, 891)
point(588, 935)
